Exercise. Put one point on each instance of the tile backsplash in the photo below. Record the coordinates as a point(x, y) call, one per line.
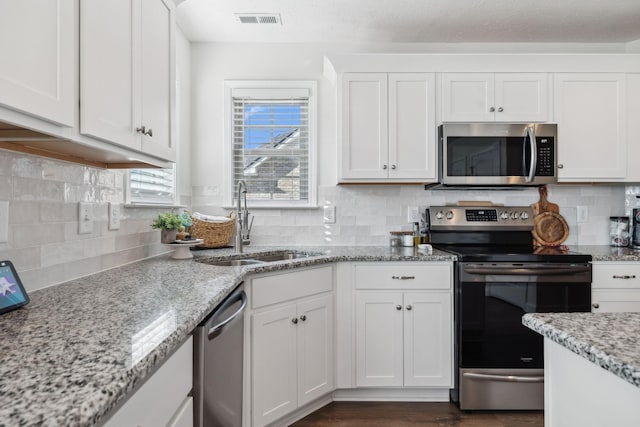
point(44, 243)
point(366, 214)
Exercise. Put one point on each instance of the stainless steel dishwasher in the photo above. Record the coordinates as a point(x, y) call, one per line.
point(218, 348)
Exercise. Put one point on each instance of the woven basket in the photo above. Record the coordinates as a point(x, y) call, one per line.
point(214, 234)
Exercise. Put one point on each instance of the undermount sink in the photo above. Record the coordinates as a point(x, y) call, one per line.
point(259, 259)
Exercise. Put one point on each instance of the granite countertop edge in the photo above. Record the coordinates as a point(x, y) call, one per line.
point(605, 339)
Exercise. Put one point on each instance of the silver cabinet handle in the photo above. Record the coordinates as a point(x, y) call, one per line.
point(633, 276)
point(398, 307)
point(595, 305)
point(492, 109)
point(149, 132)
point(142, 130)
point(500, 110)
point(303, 317)
point(403, 277)
point(409, 307)
point(294, 320)
point(384, 167)
point(560, 166)
point(393, 167)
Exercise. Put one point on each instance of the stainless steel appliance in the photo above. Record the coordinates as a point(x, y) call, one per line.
point(499, 277)
point(497, 154)
point(218, 347)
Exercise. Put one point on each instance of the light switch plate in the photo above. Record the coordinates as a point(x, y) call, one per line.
point(114, 216)
point(329, 216)
point(85, 218)
point(582, 214)
point(4, 221)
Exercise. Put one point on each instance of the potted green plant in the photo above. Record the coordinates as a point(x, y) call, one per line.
point(168, 224)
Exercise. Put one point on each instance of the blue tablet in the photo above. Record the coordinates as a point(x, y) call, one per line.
point(12, 293)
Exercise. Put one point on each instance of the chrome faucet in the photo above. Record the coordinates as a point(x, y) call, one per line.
point(243, 227)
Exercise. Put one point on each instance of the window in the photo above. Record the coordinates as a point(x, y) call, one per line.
point(151, 186)
point(271, 135)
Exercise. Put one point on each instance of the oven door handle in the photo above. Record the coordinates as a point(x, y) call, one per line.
point(526, 271)
point(503, 378)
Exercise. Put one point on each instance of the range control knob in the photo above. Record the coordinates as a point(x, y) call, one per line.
point(449, 215)
point(439, 215)
point(514, 215)
point(524, 216)
point(504, 215)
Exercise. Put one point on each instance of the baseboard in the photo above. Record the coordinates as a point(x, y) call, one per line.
point(302, 412)
point(392, 394)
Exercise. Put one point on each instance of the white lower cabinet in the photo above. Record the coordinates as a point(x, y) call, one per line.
point(615, 287)
point(163, 400)
point(403, 325)
point(292, 349)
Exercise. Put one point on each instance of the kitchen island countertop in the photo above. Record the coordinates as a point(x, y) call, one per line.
point(78, 349)
point(610, 340)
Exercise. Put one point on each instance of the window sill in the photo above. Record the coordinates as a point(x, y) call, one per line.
point(251, 207)
point(153, 206)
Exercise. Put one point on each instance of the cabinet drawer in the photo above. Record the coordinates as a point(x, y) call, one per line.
point(289, 286)
point(402, 275)
point(619, 275)
point(615, 300)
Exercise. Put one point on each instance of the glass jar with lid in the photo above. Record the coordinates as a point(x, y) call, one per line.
point(619, 230)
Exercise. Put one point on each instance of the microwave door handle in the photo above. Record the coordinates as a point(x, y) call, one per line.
point(534, 154)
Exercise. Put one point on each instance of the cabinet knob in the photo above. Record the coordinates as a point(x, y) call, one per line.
point(500, 110)
point(303, 317)
point(398, 307)
point(294, 320)
point(492, 109)
point(384, 167)
point(142, 130)
point(393, 167)
point(409, 307)
point(560, 166)
point(149, 132)
point(595, 305)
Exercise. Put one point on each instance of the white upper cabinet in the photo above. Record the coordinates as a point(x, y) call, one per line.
point(127, 76)
point(37, 68)
point(500, 97)
point(590, 109)
point(387, 128)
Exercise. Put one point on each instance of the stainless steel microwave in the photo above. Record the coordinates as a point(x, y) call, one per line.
point(497, 154)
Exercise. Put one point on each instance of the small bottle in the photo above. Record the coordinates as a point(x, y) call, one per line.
point(416, 234)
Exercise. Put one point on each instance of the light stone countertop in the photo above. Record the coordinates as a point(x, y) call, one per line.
point(610, 340)
point(77, 349)
point(608, 253)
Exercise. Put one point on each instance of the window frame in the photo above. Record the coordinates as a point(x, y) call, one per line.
point(131, 201)
point(229, 191)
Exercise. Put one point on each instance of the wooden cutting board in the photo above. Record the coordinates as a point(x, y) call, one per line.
point(549, 227)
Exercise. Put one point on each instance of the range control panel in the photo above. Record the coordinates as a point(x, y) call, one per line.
point(481, 217)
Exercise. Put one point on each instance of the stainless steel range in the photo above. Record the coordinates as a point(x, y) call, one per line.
point(499, 277)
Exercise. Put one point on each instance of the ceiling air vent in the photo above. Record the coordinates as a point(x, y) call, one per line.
point(259, 18)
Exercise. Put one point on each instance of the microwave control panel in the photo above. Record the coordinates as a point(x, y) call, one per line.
point(546, 156)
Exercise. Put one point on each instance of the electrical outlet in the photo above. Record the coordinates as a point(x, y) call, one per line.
point(413, 214)
point(85, 218)
point(114, 216)
point(4, 221)
point(329, 215)
point(582, 214)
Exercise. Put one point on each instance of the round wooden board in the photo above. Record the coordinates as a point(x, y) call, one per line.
point(550, 229)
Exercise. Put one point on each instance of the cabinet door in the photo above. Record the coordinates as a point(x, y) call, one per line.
point(428, 341)
point(364, 139)
point(109, 76)
point(591, 115)
point(315, 348)
point(158, 77)
point(467, 97)
point(615, 300)
point(273, 364)
point(521, 97)
point(38, 70)
point(412, 135)
point(379, 339)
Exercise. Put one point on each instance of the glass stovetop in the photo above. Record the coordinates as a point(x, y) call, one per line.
point(514, 253)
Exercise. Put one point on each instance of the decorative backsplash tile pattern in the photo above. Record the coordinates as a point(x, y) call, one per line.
point(44, 243)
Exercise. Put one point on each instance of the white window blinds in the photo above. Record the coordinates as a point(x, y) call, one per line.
point(270, 137)
point(152, 186)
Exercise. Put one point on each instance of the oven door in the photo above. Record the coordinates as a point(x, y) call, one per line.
point(500, 361)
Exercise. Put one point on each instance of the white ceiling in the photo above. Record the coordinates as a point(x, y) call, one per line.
point(408, 21)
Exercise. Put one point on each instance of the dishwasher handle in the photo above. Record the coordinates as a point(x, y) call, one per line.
point(218, 328)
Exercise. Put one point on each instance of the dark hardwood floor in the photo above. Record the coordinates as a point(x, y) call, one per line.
point(405, 414)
